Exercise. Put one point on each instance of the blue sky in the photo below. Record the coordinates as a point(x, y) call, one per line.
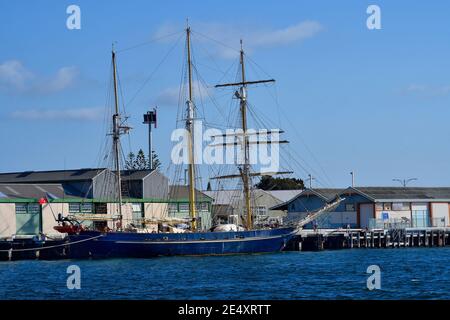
point(373, 101)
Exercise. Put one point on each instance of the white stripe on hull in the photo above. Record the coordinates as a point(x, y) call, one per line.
point(202, 241)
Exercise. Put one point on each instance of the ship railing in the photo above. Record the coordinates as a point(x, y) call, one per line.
point(403, 223)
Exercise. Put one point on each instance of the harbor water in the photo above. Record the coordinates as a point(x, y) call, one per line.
point(406, 273)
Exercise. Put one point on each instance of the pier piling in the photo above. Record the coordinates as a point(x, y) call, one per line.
point(349, 239)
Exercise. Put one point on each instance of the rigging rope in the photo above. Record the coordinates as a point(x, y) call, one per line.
point(150, 41)
point(51, 247)
point(155, 70)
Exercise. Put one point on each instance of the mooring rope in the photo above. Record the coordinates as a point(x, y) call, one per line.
point(51, 247)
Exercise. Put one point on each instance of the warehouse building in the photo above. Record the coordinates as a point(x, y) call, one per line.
point(374, 207)
point(31, 201)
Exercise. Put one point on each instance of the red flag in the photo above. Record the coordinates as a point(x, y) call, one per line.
point(42, 201)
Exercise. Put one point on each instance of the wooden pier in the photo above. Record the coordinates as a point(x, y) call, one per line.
point(309, 240)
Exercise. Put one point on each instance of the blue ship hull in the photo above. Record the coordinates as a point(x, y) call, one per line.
point(90, 244)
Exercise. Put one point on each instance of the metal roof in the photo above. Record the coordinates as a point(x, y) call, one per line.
point(181, 192)
point(50, 176)
point(225, 197)
point(35, 191)
point(401, 193)
point(284, 195)
point(58, 176)
point(327, 194)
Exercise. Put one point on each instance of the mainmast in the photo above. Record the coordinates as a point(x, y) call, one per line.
point(190, 130)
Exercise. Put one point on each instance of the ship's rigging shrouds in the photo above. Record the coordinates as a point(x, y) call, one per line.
point(238, 116)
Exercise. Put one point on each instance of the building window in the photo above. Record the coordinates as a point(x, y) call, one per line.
point(387, 206)
point(260, 211)
point(23, 208)
point(173, 207)
point(86, 207)
point(400, 206)
point(101, 208)
point(202, 206)
point(349, 207)
point(137, 207)
point(183, 207)
point(76, 207)
point(379, 206)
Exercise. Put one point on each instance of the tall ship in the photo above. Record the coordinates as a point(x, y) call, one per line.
point(241, 237)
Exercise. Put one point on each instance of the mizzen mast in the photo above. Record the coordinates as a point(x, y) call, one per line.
point(244, 170)
point(190, 129)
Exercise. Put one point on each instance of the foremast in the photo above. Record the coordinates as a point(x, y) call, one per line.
point(190, 130)
point(117, 131)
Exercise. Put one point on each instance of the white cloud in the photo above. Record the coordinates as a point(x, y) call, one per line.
point(428, 90)
point(292, 34)
point(13, 75)
point(63, 79)
point(79, 114)
point(168, 97)
point(253, 36)
point(16, 78)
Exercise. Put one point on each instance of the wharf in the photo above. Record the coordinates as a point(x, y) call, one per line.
point(321, 239)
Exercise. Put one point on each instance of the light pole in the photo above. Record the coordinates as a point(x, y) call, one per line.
point(310, 179)
point(150, 118)
point(404, 182)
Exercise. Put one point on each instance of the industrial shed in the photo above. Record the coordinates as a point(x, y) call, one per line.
point(374, 207)
point(30, 201)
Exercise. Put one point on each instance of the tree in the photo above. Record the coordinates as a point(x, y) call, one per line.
point(270, 183)
point(155, 161)
point(130, 161)
point(141, 162)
